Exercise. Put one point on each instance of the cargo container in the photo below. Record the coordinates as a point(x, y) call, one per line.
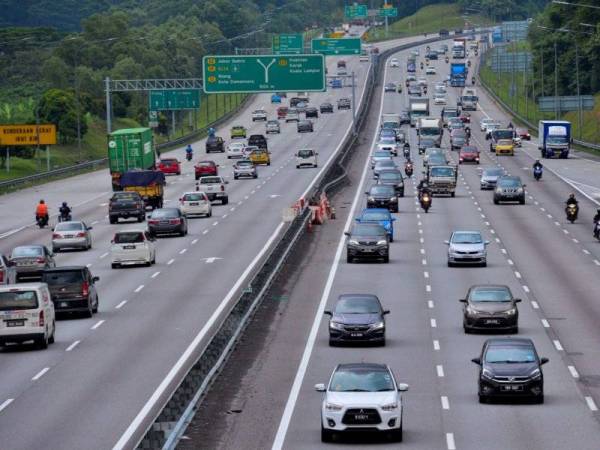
point(130, 149)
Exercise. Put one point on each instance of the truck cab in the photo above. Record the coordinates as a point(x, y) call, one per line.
point(442, 179)
point(554, 138)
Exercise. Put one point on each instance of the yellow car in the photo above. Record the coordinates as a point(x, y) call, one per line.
point(505, 147)
point(260, 156)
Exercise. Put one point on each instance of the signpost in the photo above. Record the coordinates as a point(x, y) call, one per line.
point(566, 103)
point(264, 73)
point(288, 44)
point(11, 135)
point(153, 119)
point(356, 11)
point(345, 46)
point(176, 99)
point(387, 11)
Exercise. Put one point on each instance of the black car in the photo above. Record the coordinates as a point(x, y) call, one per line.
point(490, 307)
point(73, 289)
point(382, 196)
point(404, 117)
point(167, 221)
point(509, 368)
point(326, 108)
point(425, 143)
point(392, 178)
point(444, 33)
point(258, 140)
point(367, 241)
point(344, 103)
point(29, 262)
point(357, 318)
point(215, 144)
point(432, 54)
point(509, 189)
point(305, 126)
point(126, 205)
point(311, 111)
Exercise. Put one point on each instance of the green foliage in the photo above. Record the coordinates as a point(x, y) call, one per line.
point(501, 10)
point(60, 108)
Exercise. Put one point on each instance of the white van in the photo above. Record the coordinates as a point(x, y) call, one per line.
point(306, 157)
point(26, 314)
point(132, 247)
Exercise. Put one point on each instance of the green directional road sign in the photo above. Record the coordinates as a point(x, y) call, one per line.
point(285, 44)
point(263, 73)
point(174, 99)
point(344, 46)
point(388, 12)
point(356, 11)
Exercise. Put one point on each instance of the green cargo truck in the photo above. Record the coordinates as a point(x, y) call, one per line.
point(130, 149)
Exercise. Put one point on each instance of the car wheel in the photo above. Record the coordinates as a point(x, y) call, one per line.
point(392, 237)
point(89, 312)
point(51, 338)
point(349, 259)
point(297, 167)
point(153, 259)
point(224, 201)
point(396, 435)
point(326, 435)
point(113, 220)
point(269, 163)
point(386, 259)
point(467, 330)
point(95, 307)
point(496, 201)
point(452, 194)
point(42, 343)
point(402, 193)
point(514, 330)
point(483, 399)
point(450, 264)
point(114, 265)
point(55, 249)
point(539, 400)
point(522, 201)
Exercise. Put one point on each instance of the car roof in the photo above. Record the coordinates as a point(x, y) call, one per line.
point(29, 246)
point(131, 230)
point(362, 366)
point(525, 342)
point(466, 231)
point(376, 210)
point(65, 268)
point(489, 286)
point(21, 286)
point(346, 296)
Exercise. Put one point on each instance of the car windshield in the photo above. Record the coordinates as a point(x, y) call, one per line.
point(430, 131)
point(468, 150)
point(69, 226)
point(25, 252)
point(10, 301)
point(388, 140)
point(389, 176)
point(490, 295)
point(168, 161)
point(493, 172)
point(466, 238)
point(509, 182)
point(442, 171)
point(386, 163)
point(451, 113)
point(63, 277)
point(374, 216)
point(503, 134)
point(165, 212)
point(382, 154)
point(125, 196)
point(210, 180)
point(514, 354)
point(305, 153)
point(357, 305)
point(193, 197)
point(129, 237)
point(505, 142)
point(245, 163)
point(368, 230)
point(354, 380)
point(206, 164)
point(382, 190)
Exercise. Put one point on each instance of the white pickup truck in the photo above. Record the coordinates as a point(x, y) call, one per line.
point(215, 188)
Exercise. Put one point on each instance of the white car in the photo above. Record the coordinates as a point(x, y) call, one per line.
point(517, 140)
point(27, 314)
point(422, 81)
point(306, 157)
point(132, 247)
point(235, 149)
point(259, 114)
point(430, 70)
point(440, 87)
point(439, 99)
point(361, 396)
point(364, 58)
point(394, 62)
point(484, 122)
point(195, 204)
point(489, 127)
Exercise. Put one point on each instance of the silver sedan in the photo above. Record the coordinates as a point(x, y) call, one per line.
point(467, 247)
point(73, 234)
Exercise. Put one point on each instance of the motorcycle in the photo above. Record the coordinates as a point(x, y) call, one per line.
point(572, 210)
point(407, 152)
point(469, 63)
point(64, 217)
point(537, 173)
point(426, 202)
point(188, 156)
point(421, 66)
point(41, 221)
point(473, 81)
point(408, 169)
point(597, 230)
point(447, 59)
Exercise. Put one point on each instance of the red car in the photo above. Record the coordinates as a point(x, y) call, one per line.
point(169, 166)
point(465, 117)
point(282, 112)
point(523, 133)
point(205, 169)
point(468, 153)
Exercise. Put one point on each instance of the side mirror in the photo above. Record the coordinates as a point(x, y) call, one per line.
point(447, 242)
point(328, 313)
point(180, 199)
point(94, 279)
point(346, 233)
point(366, 192)
point(90, 228)
point(462, 300)
point(517, 300)
point(385, 311)
point(477, 361)
point(487, 242)
point(524, 185)
point(402, 387)
point(544, 360)
point(320, 387)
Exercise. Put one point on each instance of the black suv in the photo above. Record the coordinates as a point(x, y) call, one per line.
point(382, 196)
point(444, 33)
point(125, 205)
point(509, 368)
point(258, 140)
point(392, 178)
point(73, 289)
point(311, 111)
point(215, 144)
point(367, 241)
point(326, 108)
point(344, 103)
point(509, 189)
point(357, 318)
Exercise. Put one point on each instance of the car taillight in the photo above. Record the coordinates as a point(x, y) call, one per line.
point(41, 260)
point(152, 222)
point(85, 289)
point(81, 234)
point(41, 321)
point(174, 221)
point(1, 276)
point(222, 188)
point(55, 236)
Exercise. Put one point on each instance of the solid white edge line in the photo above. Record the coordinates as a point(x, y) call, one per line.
point(299, 378)
point(450, 441)
point(40, 374)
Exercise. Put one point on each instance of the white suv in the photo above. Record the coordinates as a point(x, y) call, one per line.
point(361, 396)
point(132, 247)
point(195, 204)
point(259, 114)
point(306, 157)
point(27, 314)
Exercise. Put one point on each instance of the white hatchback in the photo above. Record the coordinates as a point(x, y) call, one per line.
point(306, 157)
point(235, 149)
point(132, 247)
point(394, 62)
point(27, 314)
point(195, 204)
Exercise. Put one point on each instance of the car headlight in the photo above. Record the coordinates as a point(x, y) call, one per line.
point(520, 190)
point(378, 325)
point(472, 310)
point(371, 199)
point(390, 406)
point(332, 407)
point(381, 242)
point(336, 325)
point(353, 242)
point(487, 374)
point(511, 312)
point(393, 199)
point(536, 374)
point(498, 191)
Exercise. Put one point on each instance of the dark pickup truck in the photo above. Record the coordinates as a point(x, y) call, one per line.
point(125, 205)
point(215, 144)
point(258, 140)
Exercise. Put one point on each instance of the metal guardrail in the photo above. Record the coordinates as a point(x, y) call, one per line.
point(532, 126)
point(16, 183)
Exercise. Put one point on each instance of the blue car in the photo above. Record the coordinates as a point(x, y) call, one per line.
point(336, 83)
point(275, 98)
point(379, 216)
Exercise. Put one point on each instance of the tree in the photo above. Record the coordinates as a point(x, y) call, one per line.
point(59, 107)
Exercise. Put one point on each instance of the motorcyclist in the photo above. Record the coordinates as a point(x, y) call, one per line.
point(468, 132)
point(510, 125)
point(423, 186)
point(537, 165)
point(469, 63)
point(447, 59)
point(41, 210)
point(189, 152)
point(473, 80)
point(211, 131)
point(572, 200)
point(64, 210)
point(421, 66)
point(596, 228)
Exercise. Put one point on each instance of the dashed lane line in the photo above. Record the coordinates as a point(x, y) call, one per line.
point(40, 374)
point(97, 324)
point(121, 304)
point(72, 346)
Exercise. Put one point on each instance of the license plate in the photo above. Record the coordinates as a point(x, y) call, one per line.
point(492, 321)
point(512, 388)
point(64, 304)
point(66, 236)
point(356, 334)
point(129, 247)
point(15, 323)
point(194, 204)
point(361, 417)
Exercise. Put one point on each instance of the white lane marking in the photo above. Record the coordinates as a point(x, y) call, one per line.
point(518, 275)
point(418, 216)
point(430, 304)
point(422, 251)
point(565, 231)
point(103, 255)
point(239, 203)
point(525, 288)
point(232, 209)
point(591, 404)
point(534, 304)
point(545, 323)
point(557, 224)
point(94, 222)
point(424, 262)
point(536, 203)
point(597, 262)
point(450, 441)
point(426, 274)
point(492, 231)
point(436, 344)
point(510, 262)
point(575, 240)
point(5, 403)
point(155, 274)
point(224, 216)
point(440, 370)
point(585, 251)
point(558, 345)
point(72, 346)
point(139, 288)
point(497, 240)
point(573, 371)
point(215, 223)
point(420, 231)
point(103, 204)
point(97, 325)
point(205, 231)
point(120, 305)
point(428, 288)
point(182, 251)
point(421, 240)
point(40, 374)
point(487, 223)
point(503, 250)
point(549, 216)
point(246, 197)
point(433, 323)
point(211, 260)
point(445, 402)
point(171, 261)
point(195, 241)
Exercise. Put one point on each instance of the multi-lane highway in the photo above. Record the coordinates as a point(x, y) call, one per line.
point(266, 397)
point(89, 388)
